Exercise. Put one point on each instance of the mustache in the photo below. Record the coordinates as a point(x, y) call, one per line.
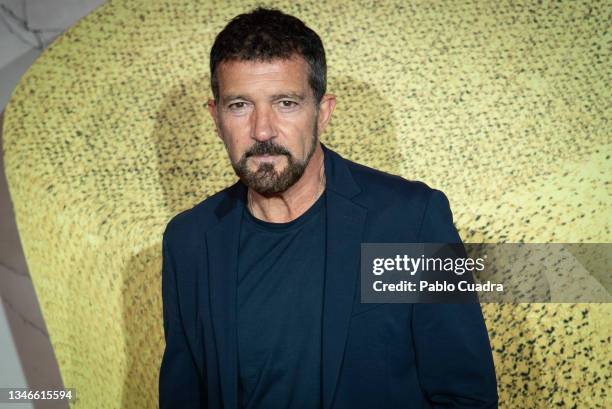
point(266, 148)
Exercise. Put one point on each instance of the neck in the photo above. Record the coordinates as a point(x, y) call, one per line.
point(289, 205)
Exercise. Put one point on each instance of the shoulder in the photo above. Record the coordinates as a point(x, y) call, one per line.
point(190, 223)
point(376, 183)
point(399, 203)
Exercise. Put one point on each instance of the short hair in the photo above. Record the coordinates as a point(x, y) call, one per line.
point(265, 35)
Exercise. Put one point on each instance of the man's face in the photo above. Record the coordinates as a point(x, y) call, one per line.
point(268, 120)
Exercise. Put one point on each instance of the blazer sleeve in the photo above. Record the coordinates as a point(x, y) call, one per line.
point(453, 353)
point(179, 380)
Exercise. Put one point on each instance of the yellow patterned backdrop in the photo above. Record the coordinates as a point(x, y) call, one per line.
point(505, 106)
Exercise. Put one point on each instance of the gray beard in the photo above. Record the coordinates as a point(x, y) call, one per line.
point(266, 180)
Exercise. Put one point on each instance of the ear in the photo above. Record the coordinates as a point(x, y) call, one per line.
point(212, 110)
point(326, 108)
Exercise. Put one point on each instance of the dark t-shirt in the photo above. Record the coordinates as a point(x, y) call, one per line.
point(280, 296)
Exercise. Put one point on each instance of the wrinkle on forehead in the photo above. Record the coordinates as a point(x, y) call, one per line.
point(279, 76)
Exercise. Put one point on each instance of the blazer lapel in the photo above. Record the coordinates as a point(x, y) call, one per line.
point(222, 244)
point(345, 224)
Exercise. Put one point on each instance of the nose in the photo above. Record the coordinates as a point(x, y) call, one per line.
point(263, 124)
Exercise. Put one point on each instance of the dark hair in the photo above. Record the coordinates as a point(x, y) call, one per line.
point(267, 34)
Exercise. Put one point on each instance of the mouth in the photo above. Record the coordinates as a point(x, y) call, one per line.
point(266, 157)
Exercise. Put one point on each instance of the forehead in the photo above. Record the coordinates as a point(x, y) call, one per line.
point(286, 75)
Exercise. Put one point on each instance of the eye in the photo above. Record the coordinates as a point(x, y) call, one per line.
point(237, 105)
point(286, 103)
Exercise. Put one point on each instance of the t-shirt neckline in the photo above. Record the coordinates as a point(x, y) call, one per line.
point(300, 220)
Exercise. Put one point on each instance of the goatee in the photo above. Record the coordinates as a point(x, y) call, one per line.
point(265, 179)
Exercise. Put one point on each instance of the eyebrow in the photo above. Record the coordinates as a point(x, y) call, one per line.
point(228, 98)
point(294, 95)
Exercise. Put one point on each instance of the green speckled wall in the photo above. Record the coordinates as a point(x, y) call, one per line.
point(504, 106)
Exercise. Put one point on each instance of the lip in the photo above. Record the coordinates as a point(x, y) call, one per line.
point(266, 157)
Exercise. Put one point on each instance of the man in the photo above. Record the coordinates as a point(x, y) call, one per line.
point(260, 281)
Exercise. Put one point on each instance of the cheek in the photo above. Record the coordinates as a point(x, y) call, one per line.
point(235, 139)
point(299, 134)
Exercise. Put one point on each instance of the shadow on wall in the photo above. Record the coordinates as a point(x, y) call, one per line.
point(362, 128)
point(192, 161)
point(193, 164)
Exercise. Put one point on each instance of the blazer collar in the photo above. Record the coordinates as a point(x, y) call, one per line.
point(338, 175)
point(344, 227)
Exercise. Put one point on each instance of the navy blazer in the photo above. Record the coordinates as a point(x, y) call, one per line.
point(374, 356)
